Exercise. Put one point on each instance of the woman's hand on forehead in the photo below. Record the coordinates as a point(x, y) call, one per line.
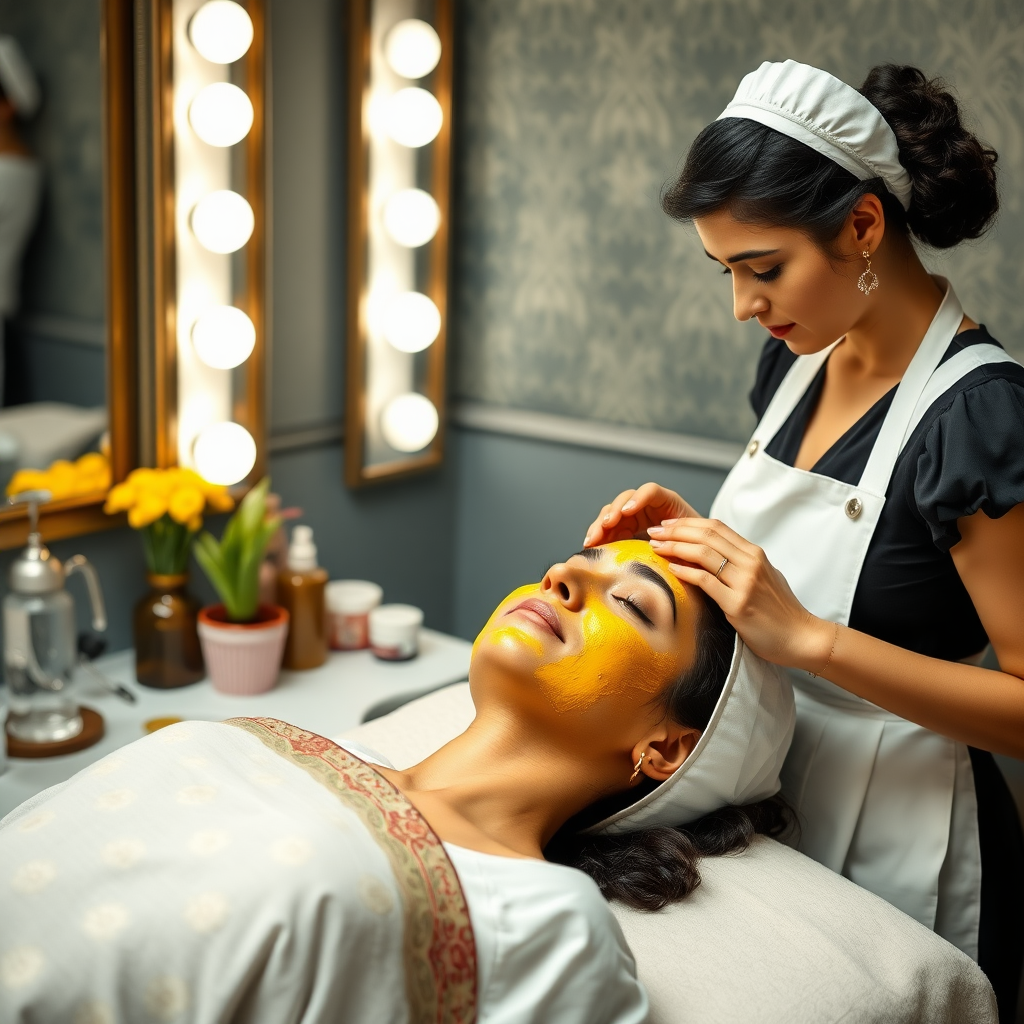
point(630, 515)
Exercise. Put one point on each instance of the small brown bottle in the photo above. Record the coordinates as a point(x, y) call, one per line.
point(300, 589)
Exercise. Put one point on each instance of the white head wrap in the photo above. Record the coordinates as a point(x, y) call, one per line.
point(17, 78)
point(826, 114)
point(738, 758)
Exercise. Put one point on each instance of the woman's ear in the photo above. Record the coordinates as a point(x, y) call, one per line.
point(666, 750)
point(865, 226)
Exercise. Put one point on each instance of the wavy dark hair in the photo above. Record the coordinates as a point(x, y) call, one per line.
point(653, 867)
point(762, 176)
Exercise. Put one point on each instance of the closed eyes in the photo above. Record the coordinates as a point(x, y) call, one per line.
point(636, 610)
point(767, 276)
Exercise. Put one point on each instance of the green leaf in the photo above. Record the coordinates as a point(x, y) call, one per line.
point(233, 565)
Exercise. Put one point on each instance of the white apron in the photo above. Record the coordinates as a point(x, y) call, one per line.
point(881, 800)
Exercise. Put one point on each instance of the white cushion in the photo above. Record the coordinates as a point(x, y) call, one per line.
point(769, 936)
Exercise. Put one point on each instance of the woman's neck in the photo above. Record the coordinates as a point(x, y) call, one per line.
point(883, 341)
point(500, 788)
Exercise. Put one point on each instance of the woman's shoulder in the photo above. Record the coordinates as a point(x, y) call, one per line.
point(967, 452)
point(772, 365)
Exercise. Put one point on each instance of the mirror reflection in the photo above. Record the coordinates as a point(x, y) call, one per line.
point(52, 293)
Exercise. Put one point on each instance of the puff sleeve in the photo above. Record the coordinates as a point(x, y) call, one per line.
point(972, 458)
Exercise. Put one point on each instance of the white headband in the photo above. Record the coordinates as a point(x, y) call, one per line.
point(17, 79)
point(738, 758)
point(826, 114)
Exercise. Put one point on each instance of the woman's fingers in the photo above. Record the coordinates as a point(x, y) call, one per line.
point(723, 596)
point(598, 531)
point(702, 541)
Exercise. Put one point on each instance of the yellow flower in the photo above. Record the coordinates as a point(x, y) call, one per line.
point(195, 524)
point(148, 509)
point(28, 480)
point(218, 498)
point(120, 498)
point(186, 503)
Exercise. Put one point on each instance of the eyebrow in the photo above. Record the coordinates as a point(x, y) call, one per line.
point(645, 572)
point(653, 576)
point(747, 254)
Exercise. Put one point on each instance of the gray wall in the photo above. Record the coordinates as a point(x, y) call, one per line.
point(575, 294)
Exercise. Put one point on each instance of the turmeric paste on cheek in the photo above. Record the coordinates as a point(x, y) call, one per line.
point(615, 658)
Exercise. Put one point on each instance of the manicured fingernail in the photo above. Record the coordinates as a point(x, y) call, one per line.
point(586, 540)
point(629, 505)
point(668, 522)
point(655, 530)
point(657, 543)
point(607, 518)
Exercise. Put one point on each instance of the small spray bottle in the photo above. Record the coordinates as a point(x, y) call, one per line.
point(300, 589)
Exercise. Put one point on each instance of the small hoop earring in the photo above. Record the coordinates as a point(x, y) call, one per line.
point(868, 281)
point(637, 767)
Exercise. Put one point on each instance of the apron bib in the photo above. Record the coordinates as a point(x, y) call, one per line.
point(886, 803)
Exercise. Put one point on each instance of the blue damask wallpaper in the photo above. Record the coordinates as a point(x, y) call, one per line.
point(576, 295)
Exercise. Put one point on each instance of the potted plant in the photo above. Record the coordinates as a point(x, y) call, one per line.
point(166, 506)
point(242, 639)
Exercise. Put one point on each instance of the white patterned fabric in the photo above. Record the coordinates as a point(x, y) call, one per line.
point(196, 876)
point(828, 115)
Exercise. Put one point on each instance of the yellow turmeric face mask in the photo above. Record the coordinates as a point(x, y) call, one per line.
point(612, 654)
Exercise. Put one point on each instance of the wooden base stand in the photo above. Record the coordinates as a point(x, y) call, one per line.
point(92, 732)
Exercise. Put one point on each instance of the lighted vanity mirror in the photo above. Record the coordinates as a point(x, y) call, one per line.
point(398, 212)
point(209, 240)
point(67, 257)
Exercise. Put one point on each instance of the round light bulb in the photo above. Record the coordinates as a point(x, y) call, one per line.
point(224, 453)
point(412, 48)
point(221, 31)
point(221, 114)
point(411, 321)
point(222, 221)
point(223, 337)
point(412, 217)
point(409, 422)
point(413, 117)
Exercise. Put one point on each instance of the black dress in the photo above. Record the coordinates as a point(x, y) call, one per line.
point(966, 454)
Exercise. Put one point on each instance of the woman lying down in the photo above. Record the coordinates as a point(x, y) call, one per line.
point(249, 870)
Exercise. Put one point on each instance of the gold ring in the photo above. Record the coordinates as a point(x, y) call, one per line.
point(725, 562)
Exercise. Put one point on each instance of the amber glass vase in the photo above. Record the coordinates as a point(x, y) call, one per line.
point(167, 652)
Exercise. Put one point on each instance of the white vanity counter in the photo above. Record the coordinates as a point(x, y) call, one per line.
point(326, 700)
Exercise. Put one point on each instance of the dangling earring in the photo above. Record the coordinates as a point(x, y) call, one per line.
point(868, 281)
point(637, 767)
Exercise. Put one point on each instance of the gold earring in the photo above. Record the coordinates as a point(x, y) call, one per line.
point(868, 281)
point(637, 767)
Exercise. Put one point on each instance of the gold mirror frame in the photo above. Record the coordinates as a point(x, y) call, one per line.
point(358, 473)
point(84, 514)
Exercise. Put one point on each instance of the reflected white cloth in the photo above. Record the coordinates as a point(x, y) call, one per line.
point(738, 758)
point(547, 944)
point(831, 117)
point(20, 187)
point(17, 78)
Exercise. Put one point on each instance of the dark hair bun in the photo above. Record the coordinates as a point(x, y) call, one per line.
point(953, 174)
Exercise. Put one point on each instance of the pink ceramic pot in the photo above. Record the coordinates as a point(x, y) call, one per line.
point(243, 658)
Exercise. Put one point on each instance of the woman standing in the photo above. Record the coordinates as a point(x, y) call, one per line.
point(871, 538)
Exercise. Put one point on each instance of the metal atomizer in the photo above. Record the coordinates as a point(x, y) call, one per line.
point(40, 642)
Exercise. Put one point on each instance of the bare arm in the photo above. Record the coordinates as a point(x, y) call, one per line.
point(978, 706)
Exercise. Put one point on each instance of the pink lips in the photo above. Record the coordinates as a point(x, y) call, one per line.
point(781, 330)
point(540, 612)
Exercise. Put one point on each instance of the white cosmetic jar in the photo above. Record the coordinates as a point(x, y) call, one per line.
point(349, 603)
point(395, 631)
